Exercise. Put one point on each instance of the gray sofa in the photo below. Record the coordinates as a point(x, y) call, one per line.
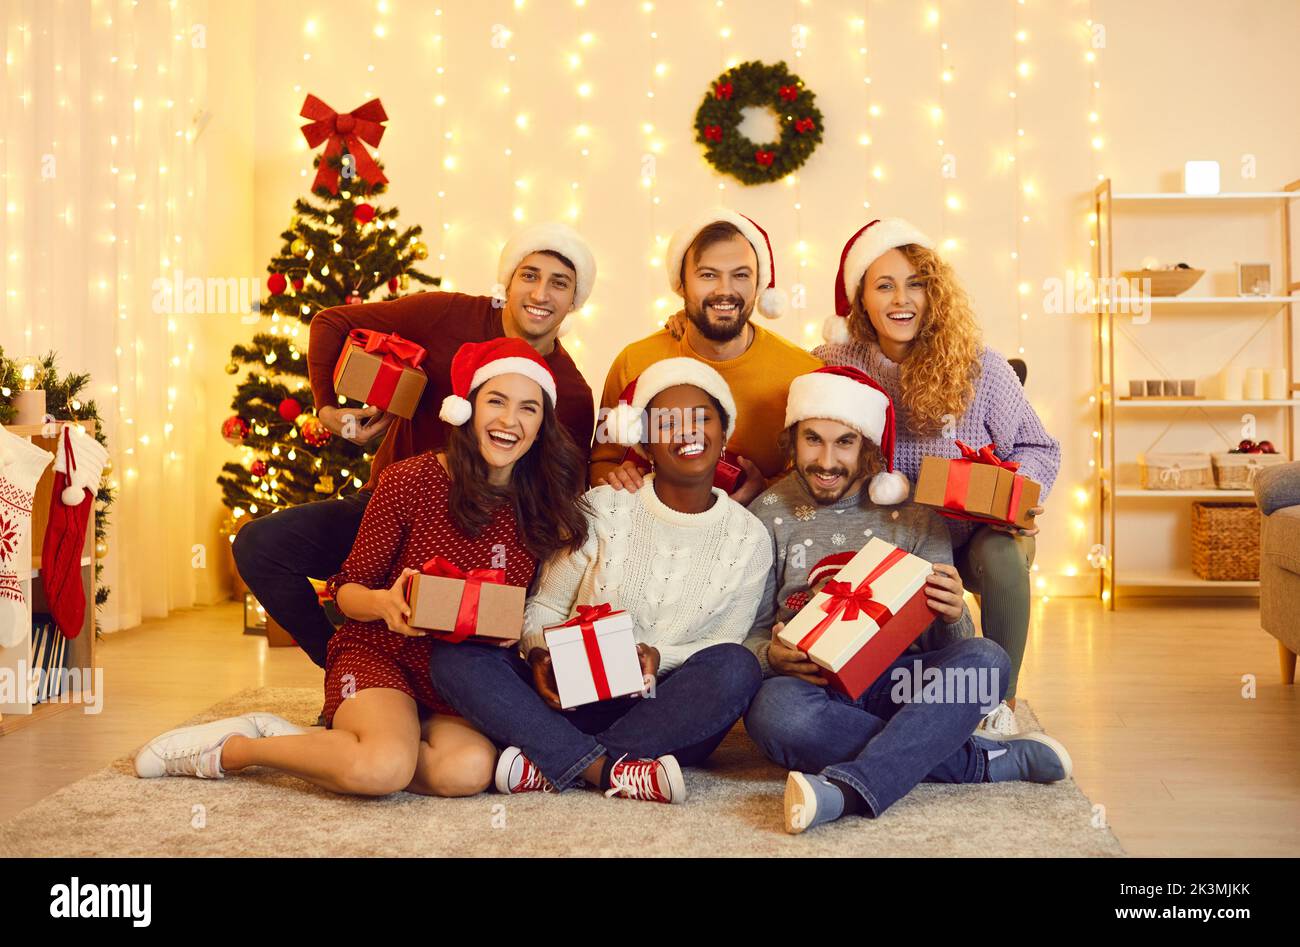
point(1277, 492)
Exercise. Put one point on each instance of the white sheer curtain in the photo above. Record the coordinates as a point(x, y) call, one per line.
point(102, 181)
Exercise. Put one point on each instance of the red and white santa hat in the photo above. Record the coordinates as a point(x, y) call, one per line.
point(844, 394)
point(859, 253)
point(558, 238)
point(771, 301)
point(625, 424)
point(829, 567)
point(476, 362)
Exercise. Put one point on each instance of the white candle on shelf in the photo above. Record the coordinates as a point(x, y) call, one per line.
point(1254, 384)
point(1276, 384)
point(1234, 380)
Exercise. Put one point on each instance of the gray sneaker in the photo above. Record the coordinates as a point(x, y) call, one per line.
point(1034, 757)
point(810, 799)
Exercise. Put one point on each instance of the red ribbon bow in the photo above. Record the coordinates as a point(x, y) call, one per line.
point(985, 455)
point(789, 92)
point(713, 132)
point(467, 614)
point(958, 483)
point(764, 158)
point(847, 602)
point(352, 130)
point(722, 90)
point(585, 621)
point(804, 125)
point(397, 353)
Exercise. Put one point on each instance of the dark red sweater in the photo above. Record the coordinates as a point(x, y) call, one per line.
point(441, 323)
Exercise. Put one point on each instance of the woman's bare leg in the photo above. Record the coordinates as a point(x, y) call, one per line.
point(454, 758)
point(371, 751)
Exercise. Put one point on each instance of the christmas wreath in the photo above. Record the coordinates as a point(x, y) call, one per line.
point(758, 85)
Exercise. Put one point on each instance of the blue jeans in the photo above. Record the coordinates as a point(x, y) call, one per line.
point(276, 553)
point(693, 708)
point(879, 744)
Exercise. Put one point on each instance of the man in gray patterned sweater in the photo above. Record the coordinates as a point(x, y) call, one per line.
point(916, 721)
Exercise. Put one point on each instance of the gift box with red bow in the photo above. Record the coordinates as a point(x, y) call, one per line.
point(864, 618)
point(979, 485)
point(728, 475)
point(381, 369)
point(465, 604)
point(594, 656)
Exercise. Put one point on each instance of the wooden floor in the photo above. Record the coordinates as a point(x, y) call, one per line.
point(1149, 700)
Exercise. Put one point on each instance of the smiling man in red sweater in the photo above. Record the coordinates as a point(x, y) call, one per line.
point(547, 272)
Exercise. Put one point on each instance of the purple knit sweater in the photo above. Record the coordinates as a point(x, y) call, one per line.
point(999, 414)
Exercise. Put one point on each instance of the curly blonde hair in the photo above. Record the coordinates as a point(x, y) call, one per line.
point(939, 374)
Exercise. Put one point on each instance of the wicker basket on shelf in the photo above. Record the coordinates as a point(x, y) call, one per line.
point(1186, 471)
point(1225, 541)
point(1238, 471)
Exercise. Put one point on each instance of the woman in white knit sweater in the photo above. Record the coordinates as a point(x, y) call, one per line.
point(686, 562)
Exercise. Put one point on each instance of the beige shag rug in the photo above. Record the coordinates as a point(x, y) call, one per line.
point(733, 808)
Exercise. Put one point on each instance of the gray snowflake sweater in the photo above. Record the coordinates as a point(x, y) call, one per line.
point(803, 533)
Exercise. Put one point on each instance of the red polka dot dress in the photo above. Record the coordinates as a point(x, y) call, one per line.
point(406, 523)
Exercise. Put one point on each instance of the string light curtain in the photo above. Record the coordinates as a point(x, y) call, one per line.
point(101, 108)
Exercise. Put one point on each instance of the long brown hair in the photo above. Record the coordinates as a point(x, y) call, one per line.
point(939, 374)
point(545, 489)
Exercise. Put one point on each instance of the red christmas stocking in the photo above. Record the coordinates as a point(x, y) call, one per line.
point(78, 467)
point(21, 464)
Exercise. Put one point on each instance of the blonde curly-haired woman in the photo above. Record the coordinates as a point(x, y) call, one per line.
point(902, 317)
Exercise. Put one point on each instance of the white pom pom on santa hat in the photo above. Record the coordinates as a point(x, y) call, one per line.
point(851, 397)
point(863, 248)
point(476, 362)
point(771, 301)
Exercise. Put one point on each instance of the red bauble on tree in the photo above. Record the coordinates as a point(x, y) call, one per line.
point(364, 213)
point(315, 433)
point(290, 408)
point(234, 429)
point(276, 283)
point(393, 284)
point(297, 284)
point(258, 468)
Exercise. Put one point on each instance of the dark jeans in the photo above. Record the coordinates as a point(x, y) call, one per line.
point(276, 554)
point(693, 708)
point(879, 744)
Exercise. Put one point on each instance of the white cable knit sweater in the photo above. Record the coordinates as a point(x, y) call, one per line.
point(689, 580)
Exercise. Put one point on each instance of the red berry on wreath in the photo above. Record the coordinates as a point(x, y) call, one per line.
point(764, 157)
point(276, 283)
point(722, 90)
point(363, 213)
point(258, 469)
point(234, 429)
point(713, 132)
point(290, 408)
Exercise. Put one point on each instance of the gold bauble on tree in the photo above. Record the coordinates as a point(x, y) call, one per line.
point(419, 251)
point(403, 282)
point(232, 368)
point(298, 247)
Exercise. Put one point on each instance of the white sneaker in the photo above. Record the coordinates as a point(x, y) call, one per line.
point(269, 725)
point(191, 751)
point(1000, 723)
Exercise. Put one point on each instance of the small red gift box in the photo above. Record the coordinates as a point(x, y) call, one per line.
point(381, 369)
point(464, 604)
point(728, 476)
point(979, 485)
point(864, 618)
point(594, 656)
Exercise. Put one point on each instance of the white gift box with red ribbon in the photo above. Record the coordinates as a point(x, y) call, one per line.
point(865, 617)
point(594, 656)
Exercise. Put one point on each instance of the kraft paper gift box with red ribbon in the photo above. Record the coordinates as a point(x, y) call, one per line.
point(864, 618)
point(594, 656)
point(381, 369)
point(465, 604)
point(728, 475)
point(979, 485)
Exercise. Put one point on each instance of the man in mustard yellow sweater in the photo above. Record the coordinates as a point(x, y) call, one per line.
point(721, 265)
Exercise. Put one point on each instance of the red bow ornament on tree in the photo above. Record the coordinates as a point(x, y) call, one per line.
point(351, 131)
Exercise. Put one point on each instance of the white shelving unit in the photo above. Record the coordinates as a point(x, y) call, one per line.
point(1114, 409)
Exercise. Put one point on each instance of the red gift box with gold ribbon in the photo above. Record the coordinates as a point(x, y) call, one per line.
point(464, 604)
point(864, 618)
point(381, 369)
point(979, 485)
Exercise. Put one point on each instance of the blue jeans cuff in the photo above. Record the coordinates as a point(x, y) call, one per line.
point(573, 774)
point(839, 775)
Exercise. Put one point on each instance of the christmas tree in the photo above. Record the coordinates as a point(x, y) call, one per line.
point(63, 402)
point(339, 248)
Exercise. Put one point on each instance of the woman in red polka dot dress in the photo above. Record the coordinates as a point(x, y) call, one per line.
point(506, 493)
